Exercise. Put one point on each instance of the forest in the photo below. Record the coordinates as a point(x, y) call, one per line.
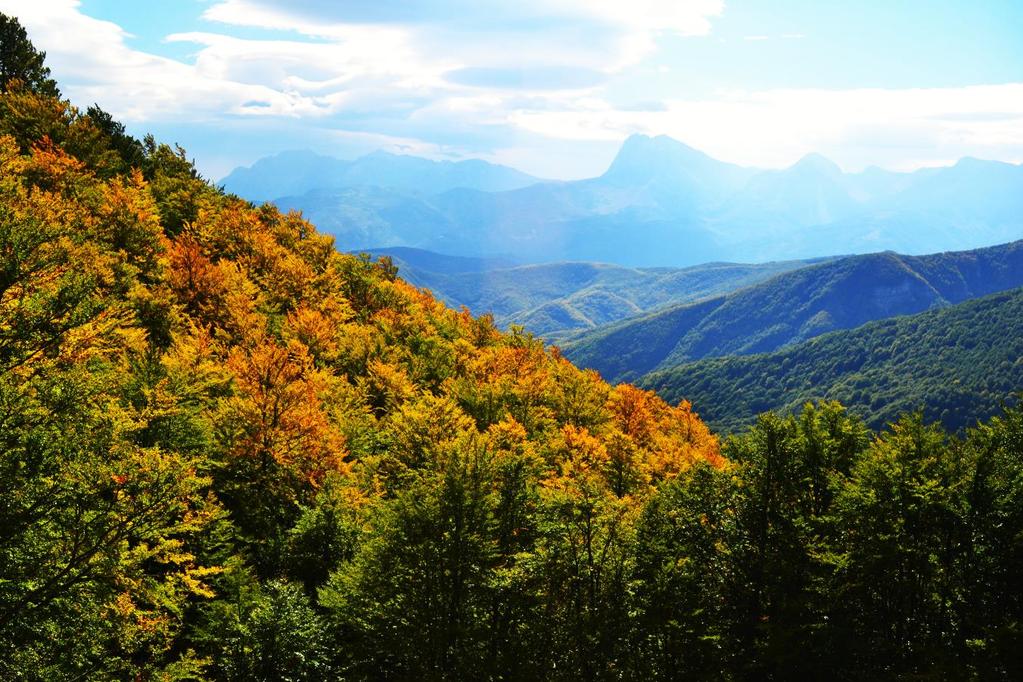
point(956, 364)
point(230, 452)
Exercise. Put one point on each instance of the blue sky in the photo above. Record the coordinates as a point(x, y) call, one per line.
point(549, 86)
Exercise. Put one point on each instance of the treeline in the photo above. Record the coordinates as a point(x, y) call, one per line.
point(229, 452)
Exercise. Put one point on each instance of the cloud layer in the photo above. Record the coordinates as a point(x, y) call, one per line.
point(537, 83)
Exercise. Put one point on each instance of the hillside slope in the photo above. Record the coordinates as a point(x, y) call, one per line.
point(208, 411)
point(796, 306)
point(959, 364)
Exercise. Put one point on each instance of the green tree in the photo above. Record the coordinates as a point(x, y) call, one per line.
point(682, 569)
point(20, 61)
point(412, 604)
point(900, 536)
point(993, 609)
point(326, 535)
point(583, 559)
point(264, 633)
point(785, 470)
point(131, 151)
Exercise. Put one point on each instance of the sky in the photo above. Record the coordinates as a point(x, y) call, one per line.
point(551, 87)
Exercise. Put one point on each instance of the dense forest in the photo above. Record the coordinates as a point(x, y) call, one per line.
point(231, 452)
point(795, 306)
point(956, 364)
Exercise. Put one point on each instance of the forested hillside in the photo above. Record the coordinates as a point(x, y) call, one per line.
point(209, 414)
point(794, 307)
point(230, 452)
point(957, 365)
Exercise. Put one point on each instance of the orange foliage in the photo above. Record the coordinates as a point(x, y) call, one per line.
point(278, 400)
point(199, 284)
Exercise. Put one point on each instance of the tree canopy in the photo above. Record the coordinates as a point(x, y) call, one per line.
point(21, 62)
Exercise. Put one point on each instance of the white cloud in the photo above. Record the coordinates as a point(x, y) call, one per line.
point(896, 128)
point(325, 18)
point(599, 34)
point(91, 61)
point(374, 67)
point(687, 18)
point(330, 68)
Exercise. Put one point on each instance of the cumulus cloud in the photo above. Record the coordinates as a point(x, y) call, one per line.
point(543, 36)
point(610, 24)
point(325, 59)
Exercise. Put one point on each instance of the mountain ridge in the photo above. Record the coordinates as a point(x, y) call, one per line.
point(958, 364)
point(795, 306)
point(552, 299)
point(296, 172)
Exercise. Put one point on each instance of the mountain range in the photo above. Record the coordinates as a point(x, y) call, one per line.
point(298, 172)
point(575, 263)
point(660, 203)
point(794, 307)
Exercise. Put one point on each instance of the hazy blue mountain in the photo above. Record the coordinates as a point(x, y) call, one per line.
point(297, 172)
point(646, 209)
point(674, 174)
point(814, 191)
point(972, 203)
point(796, 306)
point(369, 217)
point(659, 203)
point(959, 364)
point(285, 174)
point(554, 299)
point(875, 183)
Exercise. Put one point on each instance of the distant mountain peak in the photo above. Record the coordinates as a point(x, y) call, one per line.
point(642, 158)
point(294, 156)
point(645, 147)
point(817, 163)
point(295, 172)
point(380, 154)
point(874, 171)
point(972, 162)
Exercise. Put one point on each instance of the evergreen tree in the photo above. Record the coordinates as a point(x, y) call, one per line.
point(21, 61)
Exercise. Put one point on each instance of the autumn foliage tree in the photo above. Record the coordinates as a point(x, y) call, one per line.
point(186, 376)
